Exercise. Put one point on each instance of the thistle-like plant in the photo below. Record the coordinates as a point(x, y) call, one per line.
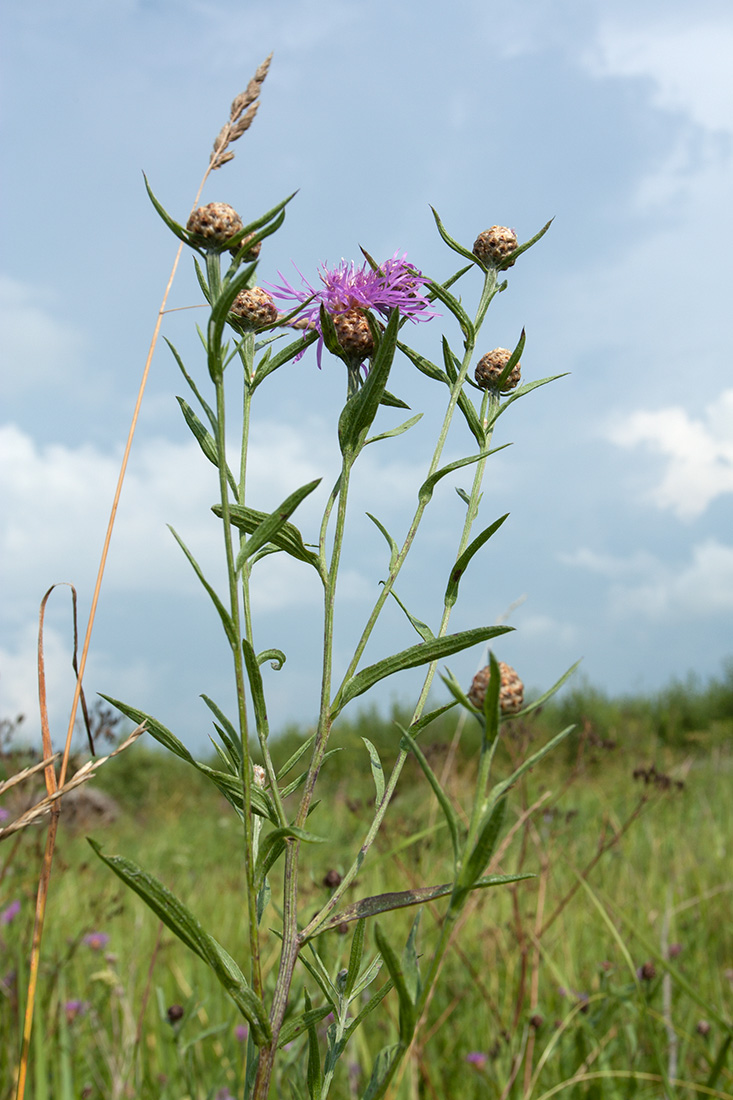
point(359, 314)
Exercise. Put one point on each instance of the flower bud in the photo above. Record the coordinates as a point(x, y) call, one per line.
point(254, 308)
point(494, 244)
point(259, 775)
point(214, 224)
point(489, 369)
point(511, 692)
point(252, 253)
point(354, 334)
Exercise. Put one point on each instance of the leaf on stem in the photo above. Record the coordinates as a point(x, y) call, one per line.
point(393, 550)
point(360, 410)
point(483, 851)
point(405, 427)
point(377, 769)
point(355, 957)
point(444, 802)
point(425, 491)
point(422, 628)
point(456, 309)
point(206, 441)
point(181, 921)
point(223, 613)
point(397, 974)
point(421, 654)
point(266, 527)
point(451, 242)
point(451, 592)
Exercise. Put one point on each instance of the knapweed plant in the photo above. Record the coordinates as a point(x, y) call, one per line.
point(361, 314)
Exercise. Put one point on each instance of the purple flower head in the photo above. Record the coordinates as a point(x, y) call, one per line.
point(394, 285)
point(12, 911)
point(74, 1009)
point(241, 1032)
point(477, 1058)
point(96, 940)
point(4, 814)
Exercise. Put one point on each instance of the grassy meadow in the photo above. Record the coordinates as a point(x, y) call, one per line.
point(607, 975)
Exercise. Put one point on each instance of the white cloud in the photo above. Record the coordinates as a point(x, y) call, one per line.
point(685, 56)
point(698, 453)
point(37, 349)
point(644, 585)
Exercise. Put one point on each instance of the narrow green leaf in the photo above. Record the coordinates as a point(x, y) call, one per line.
point(360, 410)
point(451, 592)
point(211, 415)
point(257, 691)
point(284, 535)
point(548, 694)
point(297, 755)
point(396, 431)
point(263, 899)
point(298, 346)
point(355, 957)
point(276, 657)
point(295, 1027)
point(425, 491)
point(269, 528)
point(523, 247)
point(410, 965)
point(471, 417)
point(464, 496)
point(485, 845)
point(226, 730)
point(223, 304)
point(393, 550)
point(275, 841)
point(393, 402)
point(382, 1071)
point(396, 973)
point(314, 1055)
point(403, 899)
point(223, 613)
point(206, 441)
point(451, 242)
point(522, 391)
point(456, 309)
point(181, 921)
point(421, 654)
point(424, 365)
point(296, 783)
point(174, 227)
point(422, 628)
point(377, 769)
point(500, 788)
point(444, 802)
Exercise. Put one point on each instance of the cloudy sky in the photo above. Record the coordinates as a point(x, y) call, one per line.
point(613, 117)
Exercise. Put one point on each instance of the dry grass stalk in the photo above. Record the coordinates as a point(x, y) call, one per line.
point(241, 117)
point(45, 805)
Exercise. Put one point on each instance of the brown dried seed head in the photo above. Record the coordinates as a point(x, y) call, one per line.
point(490, 366)
point(494, 244)
point(254, 308)
point(214, 223)
point(511, 692)
point(354, 334)
point(647, 972)
point(703, 1028)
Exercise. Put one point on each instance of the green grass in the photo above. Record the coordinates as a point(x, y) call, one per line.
point(542, 982)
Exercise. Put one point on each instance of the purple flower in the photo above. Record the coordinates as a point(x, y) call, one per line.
point(241, 1033)
point(477, 1058)
point(74, 1009)
point(4, 815)
point(12, 911)
point(96, 940)
point(394, 285)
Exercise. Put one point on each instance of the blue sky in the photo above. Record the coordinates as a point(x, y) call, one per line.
point(614, 118)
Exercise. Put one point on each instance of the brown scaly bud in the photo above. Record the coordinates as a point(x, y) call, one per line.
point(494, 245)
point(174, 1014)
point(703, 1028)
point(647, 972)
point(511, 692)
point(332, 879)
point(254, 308)
point(214, 224)
point(490, 366)
point(354, 334)
point(252, 253)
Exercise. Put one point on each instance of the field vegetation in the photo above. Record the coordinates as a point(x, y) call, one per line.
point(607, 975)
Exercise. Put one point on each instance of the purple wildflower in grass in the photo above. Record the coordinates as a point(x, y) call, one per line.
point(241, 1032)
point(96, 940)
point(394, 285)
point(12, 911)
point(4, 815)
point(477, 1058)
point(75, 1008)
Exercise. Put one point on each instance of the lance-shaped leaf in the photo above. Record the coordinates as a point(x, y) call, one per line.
point(456, 309)
point(422, 628)
point(522, 391)
point(359, 411)
point(297, 1025)
point(408, 1017)
point(542, 699)
point(223, 304)
point(498, 791)
point(377, 769)
point(257, 691)
point(174, 227)
point(444, 802)
point(410, 965)
point(523, 247)
point(181, 921)
point(265, 527)
point(313, 1074)
point(450, 241)
point(211, 415)
point(355, 955)
point(226, 730)
point(403, 899)
point(484, 848)
point(393, 402)
point(421, 654)
point(471, 417)
point(274, 844)
point(393, 550)
point(223, 613)
point(267, 366)
point(451, 592)
point(382, 1071)
point(427, 488)
point(205, 440)
point(405, 427)
point(424, 365)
